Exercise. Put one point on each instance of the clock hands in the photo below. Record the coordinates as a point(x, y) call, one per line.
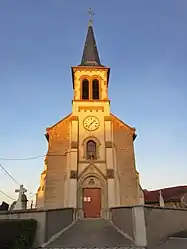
point(91, 123)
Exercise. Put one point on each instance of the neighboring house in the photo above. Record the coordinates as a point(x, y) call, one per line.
point(173, 197)
point(4, 206)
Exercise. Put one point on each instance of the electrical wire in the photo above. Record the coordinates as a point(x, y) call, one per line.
point(9, 175)
point(2, 192)
point(20, 159)
point(30, 158)
point(12, 177)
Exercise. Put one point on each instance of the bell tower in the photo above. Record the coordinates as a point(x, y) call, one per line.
point(90, 77)
point(91, 130)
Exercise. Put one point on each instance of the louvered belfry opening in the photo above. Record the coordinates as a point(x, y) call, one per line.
point(95, 89)
point(85, 89)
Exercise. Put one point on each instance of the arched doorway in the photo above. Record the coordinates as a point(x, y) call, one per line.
point(92, 198)
point(91, 193)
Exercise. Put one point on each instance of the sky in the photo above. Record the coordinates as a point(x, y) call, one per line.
point(144, 44)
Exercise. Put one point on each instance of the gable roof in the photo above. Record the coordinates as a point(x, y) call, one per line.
point(66, 117)
point(131, 129)
point(169, 194)
point(50, 128)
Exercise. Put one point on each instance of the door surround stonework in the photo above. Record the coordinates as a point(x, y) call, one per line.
point(92, 180)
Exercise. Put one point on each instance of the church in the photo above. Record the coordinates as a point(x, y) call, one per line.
point(90, 162)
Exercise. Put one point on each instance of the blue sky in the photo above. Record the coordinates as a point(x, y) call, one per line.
point(144, 43)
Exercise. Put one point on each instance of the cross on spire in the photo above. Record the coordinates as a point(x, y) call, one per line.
point(91, 14)
point(90, 55)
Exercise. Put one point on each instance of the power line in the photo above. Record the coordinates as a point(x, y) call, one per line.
point(20, 159)
point(9, 174)
point(30, 158)
point(12, 178)
point(16, 159)
point(2, 192)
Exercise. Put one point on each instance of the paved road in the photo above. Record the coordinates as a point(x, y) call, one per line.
point(91, 233)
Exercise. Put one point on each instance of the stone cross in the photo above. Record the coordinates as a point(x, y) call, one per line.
point(21, 191)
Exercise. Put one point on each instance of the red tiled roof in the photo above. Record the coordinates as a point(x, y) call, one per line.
point(169, 194)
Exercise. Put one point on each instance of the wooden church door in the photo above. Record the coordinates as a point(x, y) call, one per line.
point(92, 202)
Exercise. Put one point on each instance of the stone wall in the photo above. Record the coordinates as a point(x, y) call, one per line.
point(163, 222)
point(50, 221)
point(130, 220)
point(149, 225)
point(56, 220)
point(123, 219)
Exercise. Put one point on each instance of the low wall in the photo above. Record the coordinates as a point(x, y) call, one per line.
point(122, 217)
point(148, 225)
point(131, 221)
point(163, 222)
point(56, 220)
point(50, 221)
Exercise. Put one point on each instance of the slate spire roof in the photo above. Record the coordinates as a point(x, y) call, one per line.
point(90, 55)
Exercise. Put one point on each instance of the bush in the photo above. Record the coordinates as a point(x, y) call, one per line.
point(17, 234)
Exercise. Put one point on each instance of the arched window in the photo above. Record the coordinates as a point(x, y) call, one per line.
point(91, 149)
point(85, 89)
point(95, 89)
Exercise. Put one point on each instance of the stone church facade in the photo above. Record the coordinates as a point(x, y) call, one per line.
point(90, 162)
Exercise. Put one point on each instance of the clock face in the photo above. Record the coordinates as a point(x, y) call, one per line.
point(91, 123)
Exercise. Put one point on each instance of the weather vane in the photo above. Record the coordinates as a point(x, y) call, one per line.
point(91, 14)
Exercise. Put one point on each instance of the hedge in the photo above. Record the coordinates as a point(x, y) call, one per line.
point(17, 234)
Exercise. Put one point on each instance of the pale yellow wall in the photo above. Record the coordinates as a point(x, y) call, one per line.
point(123, 139)
point(90, 74)
point(99, 134)
point(100, 166)
point(56, 161)
point(41, 189)
point(141, 196)
point(85, 108)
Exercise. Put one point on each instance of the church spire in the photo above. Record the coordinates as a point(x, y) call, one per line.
point(90, 55)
